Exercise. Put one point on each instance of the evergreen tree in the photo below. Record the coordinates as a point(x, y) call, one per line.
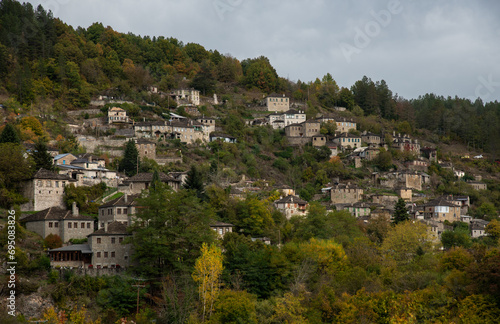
point(155, 182)
point(41, 157)
point(176, 226)
point(400, 213)
point(194, 180)
point(9, 135)
point(130, 159)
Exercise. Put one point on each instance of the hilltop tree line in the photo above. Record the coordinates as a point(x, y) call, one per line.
point(45, 58)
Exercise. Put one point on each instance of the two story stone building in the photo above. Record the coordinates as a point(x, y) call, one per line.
point(67, 224)
point(44, 190)
point(276, 102)
point(346, 193)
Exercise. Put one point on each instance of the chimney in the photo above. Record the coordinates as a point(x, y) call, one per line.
point(125, 198)
point(394, 133)
point(74, 209)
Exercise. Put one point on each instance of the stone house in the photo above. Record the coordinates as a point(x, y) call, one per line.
point(151, 129)
point(405, 143)
point(221, 228)
point(347, 140)
point(276, 102)
point(419, 164)
point(372, 139)
point(406, 194)
point(142, 181)
point(300, 134)
point(318, 140)
point(283, 119)
point(64, 159)
point(67, 224)
point(345, 193)
point(44, 190)
point(117, 115)
point(188, 131)
point(477, 185)
point(478, 227)
point(358, 209)
point(108, 250)
point(186, 96)
point(89, 170)
point(344, 125)
point(441, 209)
point(146, 149)
point(292, 206)
point(208, 125)
point(121, 209)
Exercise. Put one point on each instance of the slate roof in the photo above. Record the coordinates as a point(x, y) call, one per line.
point(347, 135)
point(54, 213)
point(46, 174)
point(83, 248)
point(148, 177)
point(60, 156)
point(221, 224)
point(115, 228)
point(120, 201)
point(441, 202)
point(291, 199)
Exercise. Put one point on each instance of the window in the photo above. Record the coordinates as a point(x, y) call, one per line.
point(69, 225)
point(119, 211)
point(98, 240)
point(75, 224)
point(98, 254)
point(113, 240)
point(125, 211)
point(82, 225)
point(113, 254)
point(102, 212)
point(56, 224)
point(57, 184)
point(105, 254)
point(120, 239)
point(88, 224)
point(102, 224)
point(50, 224)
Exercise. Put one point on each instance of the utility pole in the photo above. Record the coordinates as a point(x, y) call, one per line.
point(139, 286)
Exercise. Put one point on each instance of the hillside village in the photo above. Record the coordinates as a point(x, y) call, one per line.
point(134, 164)
point(45, 191)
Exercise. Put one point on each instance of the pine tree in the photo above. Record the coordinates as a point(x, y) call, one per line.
point(42, 157)
point(194, 180)
point(130, 159)
point(9, 135)
point(400, 213)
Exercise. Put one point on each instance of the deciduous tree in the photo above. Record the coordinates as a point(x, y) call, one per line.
point(207, 271)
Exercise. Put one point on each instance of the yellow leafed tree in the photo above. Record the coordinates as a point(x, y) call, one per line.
point(207, 271)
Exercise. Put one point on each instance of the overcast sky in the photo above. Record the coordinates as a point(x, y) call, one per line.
point(445, 47)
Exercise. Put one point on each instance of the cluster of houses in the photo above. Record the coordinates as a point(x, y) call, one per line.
point(104, 248)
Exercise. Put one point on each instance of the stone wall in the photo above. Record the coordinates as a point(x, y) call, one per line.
point(114, 147)
point(92, 272)
point(298, 140)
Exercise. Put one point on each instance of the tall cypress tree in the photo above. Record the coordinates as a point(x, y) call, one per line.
point(9, 135)
point(400, 213)
point(130, 159)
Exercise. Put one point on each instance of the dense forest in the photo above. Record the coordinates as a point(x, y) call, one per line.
point(327, 267)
